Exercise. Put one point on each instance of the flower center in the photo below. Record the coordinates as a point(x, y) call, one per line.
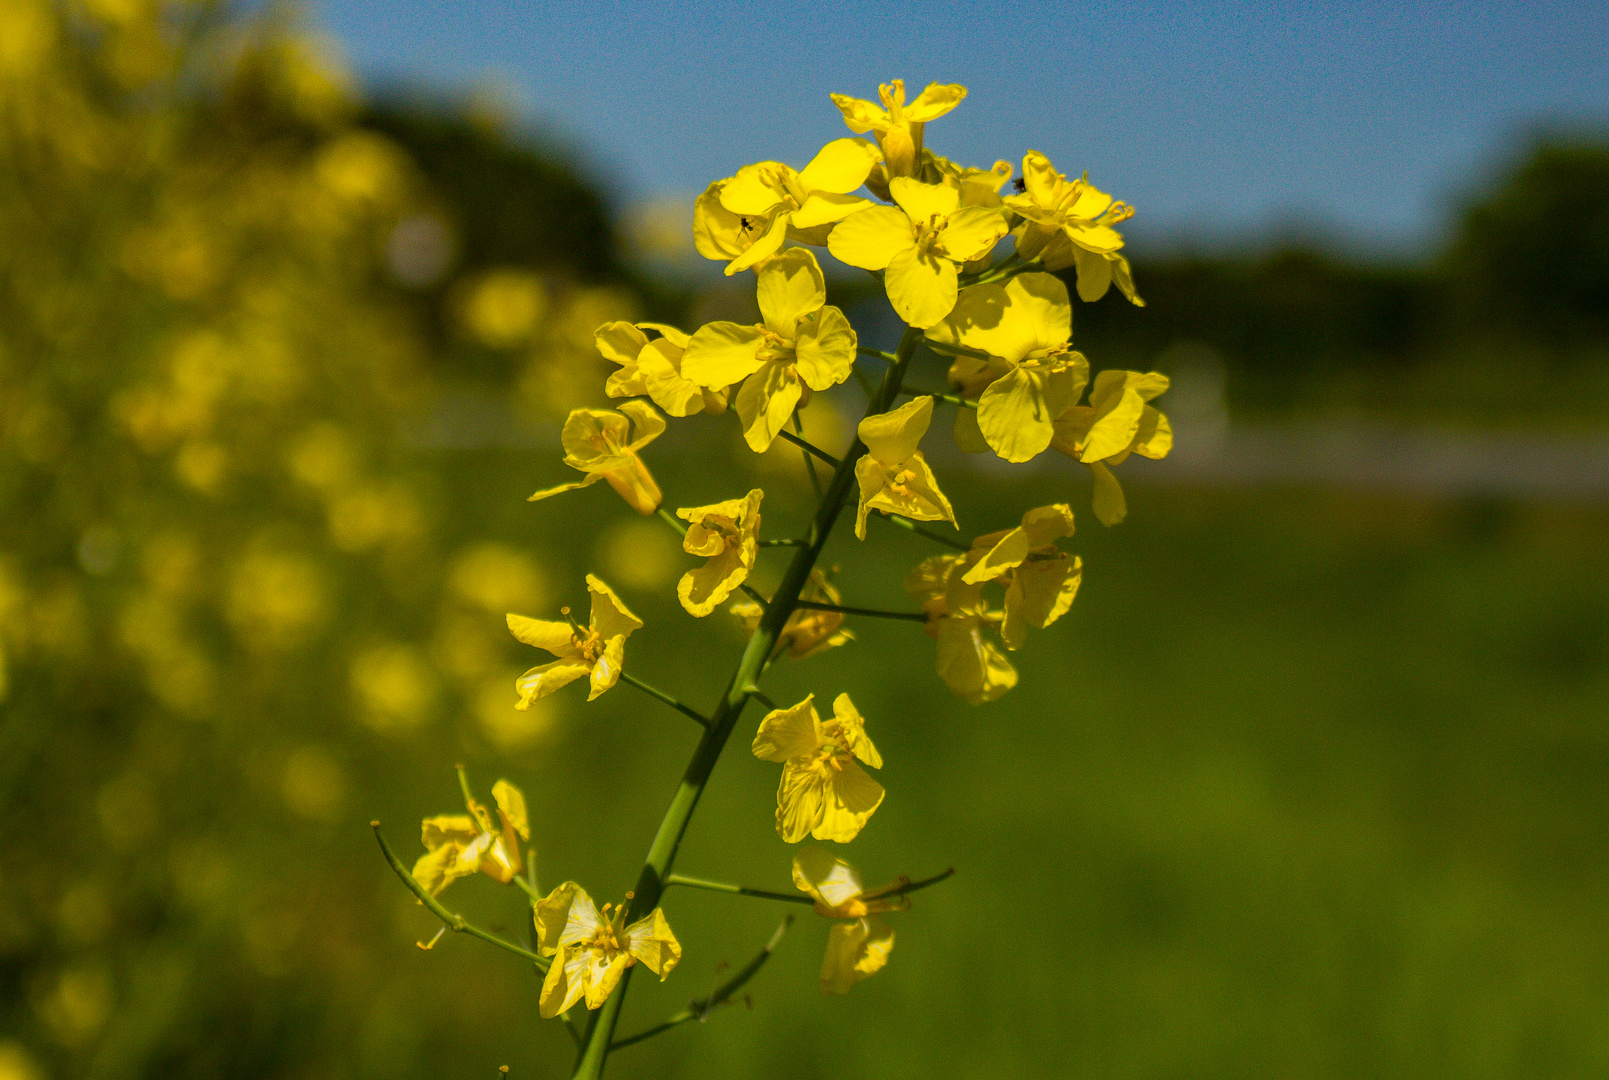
point(590, 644)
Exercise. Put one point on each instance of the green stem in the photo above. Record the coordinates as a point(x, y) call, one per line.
point(455, 923)
point(911, 526)
point(672, 520)
point(662, 852)
point(740, 890)
point(865, 383)
point(698, 1010)
point(808, 448)
point(948, 399)
point(912, 616)
point(660, 695)
point(784, 543)
point(956, 350)
point(879, 354)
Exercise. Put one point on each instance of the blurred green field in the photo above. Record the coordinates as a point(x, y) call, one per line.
point(1309, 783)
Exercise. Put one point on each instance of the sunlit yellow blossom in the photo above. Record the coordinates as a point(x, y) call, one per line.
point(1117, 422)
point(893, 475)
point(1069, 223)
point(654, 368)
point(917, 244)
point(728, 534)
point(597, 651)
point(591, 950)
point(807, 630)
point(1032, 375)
point(824, 792)
point(720, 234)
point(896, 125)
point(968, 662)
point(1040, 581)
point(599, 443)
point(460, 845)
point(855, 949)
point(774, 198)
point(804, 344)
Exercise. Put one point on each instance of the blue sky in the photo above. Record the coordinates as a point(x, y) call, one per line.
point(1218, 121)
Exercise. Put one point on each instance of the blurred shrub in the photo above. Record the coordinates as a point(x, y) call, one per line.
point(228, 301)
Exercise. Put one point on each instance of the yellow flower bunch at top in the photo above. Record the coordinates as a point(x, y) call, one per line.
point(598, 651)
point(824, 792)
point(802, 345)
point(591, 950)
point(599, 442)
point(1069, 223)
point(462, 845)
point(1032, 375)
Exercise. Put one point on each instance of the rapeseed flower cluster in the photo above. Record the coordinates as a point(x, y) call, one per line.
point(1000, 331)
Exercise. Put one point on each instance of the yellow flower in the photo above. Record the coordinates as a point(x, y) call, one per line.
point(917, 244)
point(720, 234)
point(897, 126)
point(776, 201)
point(598, 651)
point(591, 950)
point(854, 949)
point(802, 345)
point(824, 792)
point(654, 368)
point(1069, 223)
point(893, 475)
point(1032, 375)
point(599, 443)
point(460, 845)
point(1040, 581)
point(968, 662)
point(807, 631)
point(1116, 422)
point(728, 533)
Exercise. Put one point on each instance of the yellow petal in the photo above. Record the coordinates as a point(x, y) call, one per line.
point(721, 353)
point(650, 940)
point(931, 577)
point(757, 189)
point(972, 232)
point(544, 679)
point(1041, 592)
point(821, 209)
point(603, 975)
point(555, 637)
point(442, 829)
point(824, 354)
point(922, 288)
point(935, 101)
point(619, 341)
point(1155, 436)
point(801, 798)
point(855, 950)
point(610, 616)
point(1094, 275)
point(606, 671)
point(829, 879)
point(1108, 502)
point(594, 438)
point(851, 799)
point(433, 870)
point(921, 499)
point(790, 287)
point(563, 917)
point(970, 665)
point(1013, 416)
point(840, 167)
point(717, 232)
point(871, 237)
point(871, 477)
point(853, 729)
point(511, 801)
point(860, 116)
point(766, 401)
point(789, 733)
point(635, 484)
point(967, 434)
point(765, 244)
point(559, 990)
point(893, 437)
point(1044, 525)
point(922, 202)
point(701, 590)
point(646, 423)
point(548, 493)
